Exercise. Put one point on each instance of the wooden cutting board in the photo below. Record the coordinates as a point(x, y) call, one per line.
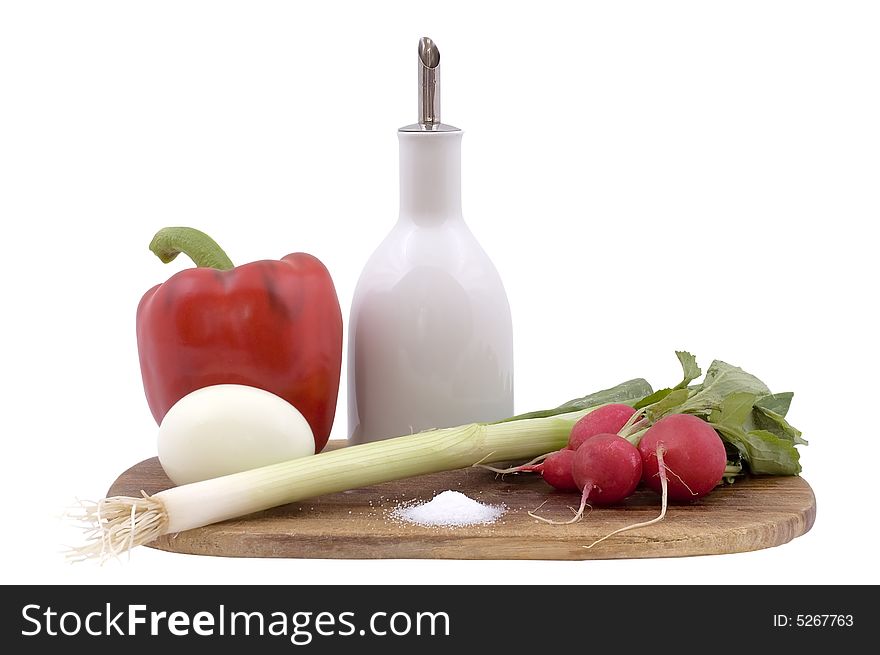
point(749, 515)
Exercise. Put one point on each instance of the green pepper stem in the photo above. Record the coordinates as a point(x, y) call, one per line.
point(169, 242)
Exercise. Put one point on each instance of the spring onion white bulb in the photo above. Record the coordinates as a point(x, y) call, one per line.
point(228, 428)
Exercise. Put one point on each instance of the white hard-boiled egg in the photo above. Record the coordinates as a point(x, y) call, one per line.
point(229, 428)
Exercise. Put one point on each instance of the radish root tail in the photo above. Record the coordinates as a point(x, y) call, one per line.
point(664, 486)
point(578, 515)
point(116, 525)
point(523, 468)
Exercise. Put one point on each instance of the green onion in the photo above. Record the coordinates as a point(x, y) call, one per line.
point(119, 523)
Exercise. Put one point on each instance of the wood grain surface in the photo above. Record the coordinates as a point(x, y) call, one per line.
point(749, 515)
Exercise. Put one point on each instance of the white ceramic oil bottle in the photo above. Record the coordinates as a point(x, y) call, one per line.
point(430, 335)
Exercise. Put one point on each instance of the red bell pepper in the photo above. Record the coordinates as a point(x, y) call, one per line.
point(275, 325)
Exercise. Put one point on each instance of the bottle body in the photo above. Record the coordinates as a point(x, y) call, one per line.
point(430, 334)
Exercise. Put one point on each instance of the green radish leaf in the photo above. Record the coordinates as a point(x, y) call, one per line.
point(769, 421)
point(749, 418)
point(778, 403)
point(689, 367)
point(721, 380)
point(763, 452)
point(734, 410)
point(655, 397)
point(690, 372)
point(625, 392)
point(671, 402)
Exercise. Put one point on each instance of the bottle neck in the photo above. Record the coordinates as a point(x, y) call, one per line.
point(430, 176)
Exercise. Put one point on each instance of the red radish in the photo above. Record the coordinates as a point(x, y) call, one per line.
point(608, 419)
point(683, 458)
point(693, 454)
point(555, 469)
point(607, 469)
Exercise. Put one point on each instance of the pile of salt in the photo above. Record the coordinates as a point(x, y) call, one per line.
point(450, 508)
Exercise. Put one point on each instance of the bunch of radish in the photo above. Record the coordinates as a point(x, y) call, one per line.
point(680, 457)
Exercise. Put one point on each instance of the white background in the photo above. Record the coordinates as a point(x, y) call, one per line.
point(646, 176)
